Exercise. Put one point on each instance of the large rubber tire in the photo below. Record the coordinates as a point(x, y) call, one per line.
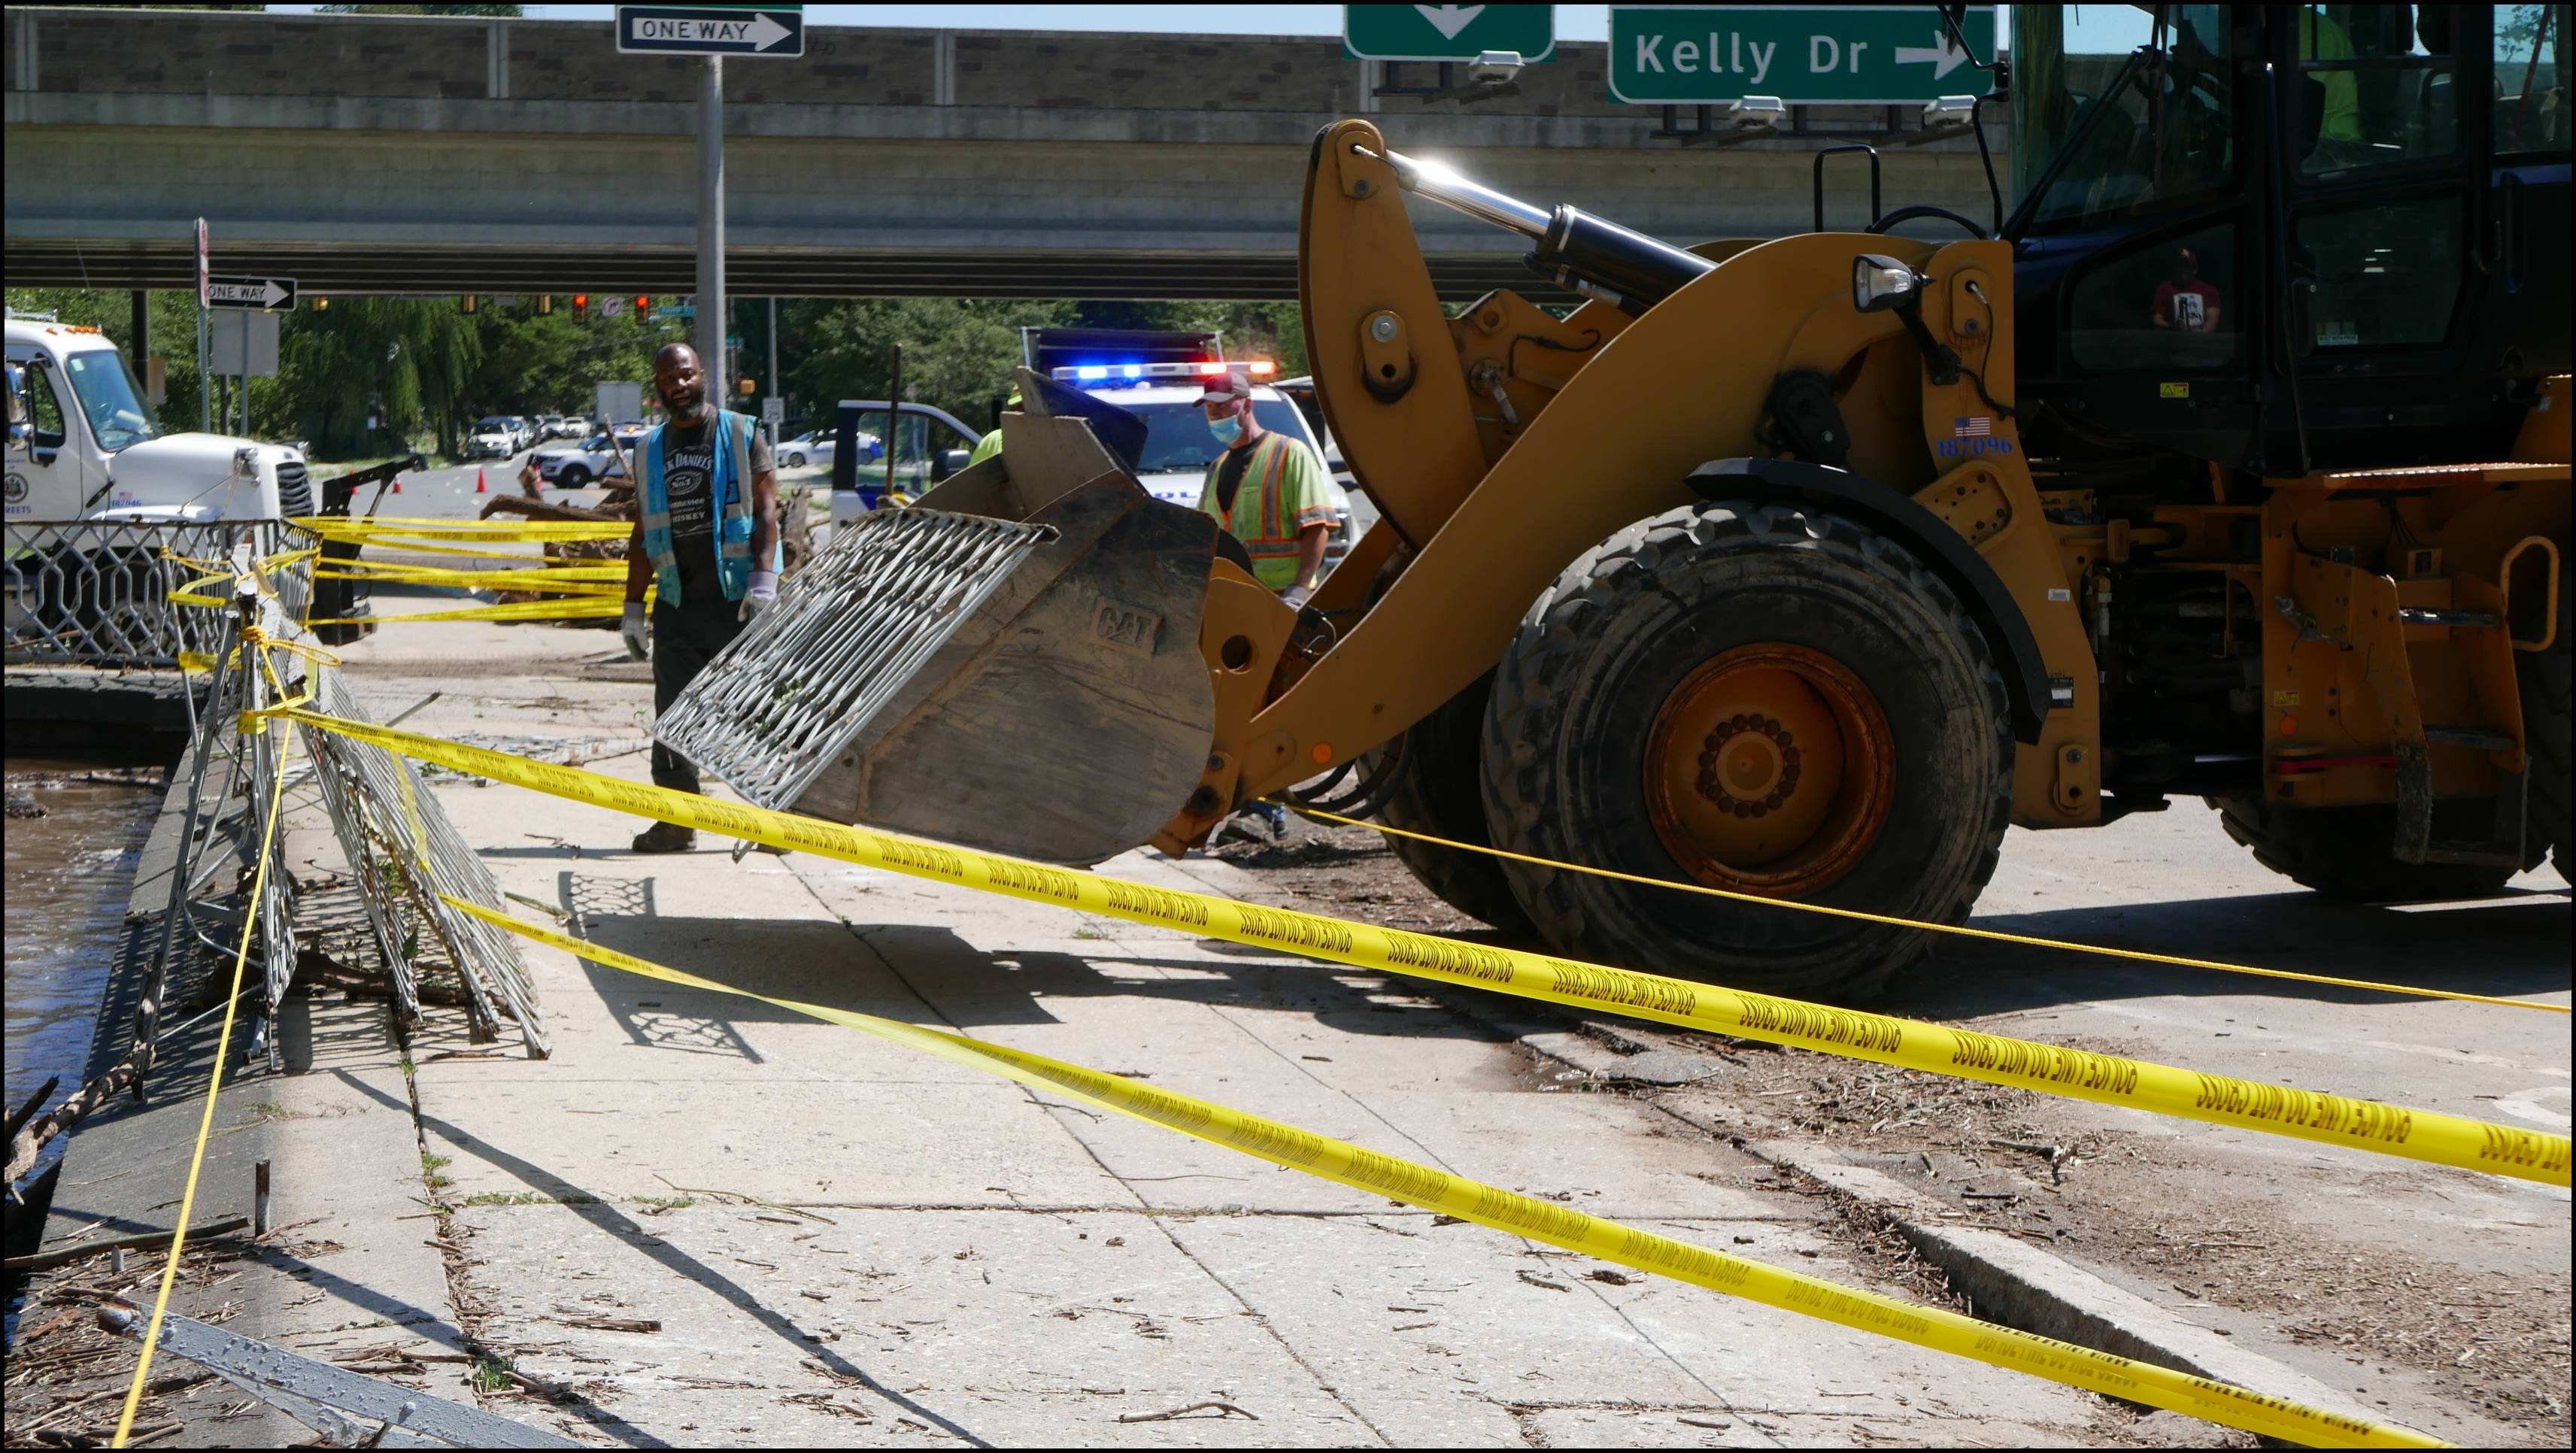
point(2544, 726)
point(2342, 852)
point(1604, 648)
point(1437, 790)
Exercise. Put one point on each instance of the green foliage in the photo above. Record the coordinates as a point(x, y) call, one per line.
point(958, 353)
point(365, 374)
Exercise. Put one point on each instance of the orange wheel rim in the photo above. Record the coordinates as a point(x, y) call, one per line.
point(1769, 770)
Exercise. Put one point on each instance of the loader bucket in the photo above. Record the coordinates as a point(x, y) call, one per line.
point(1011, 664)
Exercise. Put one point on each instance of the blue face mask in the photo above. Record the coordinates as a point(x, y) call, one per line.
point(1226, 430)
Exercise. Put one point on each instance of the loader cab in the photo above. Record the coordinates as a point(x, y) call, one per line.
point(2285, 238)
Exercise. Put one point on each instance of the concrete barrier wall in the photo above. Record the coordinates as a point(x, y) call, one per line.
point(377, 154)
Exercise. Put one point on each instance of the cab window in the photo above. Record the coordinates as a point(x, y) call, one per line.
point(2387, 274)
point(48, 431)
point(2170, 305)
point(2530, 78)
point(2122, 133)
point(2376, 86)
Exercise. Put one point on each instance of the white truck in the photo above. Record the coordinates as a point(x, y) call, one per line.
point(83, 445)
point(97, 494)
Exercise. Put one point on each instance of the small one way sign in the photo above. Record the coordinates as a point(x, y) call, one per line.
point(766, 30)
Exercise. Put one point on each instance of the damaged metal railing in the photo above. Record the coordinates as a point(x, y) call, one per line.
point(97, 592)
point(408, 856)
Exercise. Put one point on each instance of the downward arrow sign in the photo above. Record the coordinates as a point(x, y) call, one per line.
point(766, 32)
point(1450, 19)
point(1943, 57)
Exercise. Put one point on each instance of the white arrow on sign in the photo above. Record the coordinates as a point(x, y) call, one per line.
point(1450, 19)
point(1943, 56)
point(265, 293)
point(766, 32)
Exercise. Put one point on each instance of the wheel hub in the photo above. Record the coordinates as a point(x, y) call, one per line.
point(1769, 770)
point(1750, 766)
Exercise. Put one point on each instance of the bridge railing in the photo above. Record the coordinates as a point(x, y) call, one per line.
point(97, 592)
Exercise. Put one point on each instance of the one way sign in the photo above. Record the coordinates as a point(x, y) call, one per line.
point(267, 294)
point(769, 30)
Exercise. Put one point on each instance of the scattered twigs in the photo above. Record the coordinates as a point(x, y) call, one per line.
point(39, 1261)
point(1224, 1410)
point(746, 1200)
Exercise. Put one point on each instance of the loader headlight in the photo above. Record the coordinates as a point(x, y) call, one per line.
point(1880, 283)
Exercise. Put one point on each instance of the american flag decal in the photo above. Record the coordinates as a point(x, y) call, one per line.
point(1979, 427)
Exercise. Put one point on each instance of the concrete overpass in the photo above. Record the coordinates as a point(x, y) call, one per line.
point(407, 154)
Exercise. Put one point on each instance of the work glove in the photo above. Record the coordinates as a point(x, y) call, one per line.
point(631, 626)
point(1296, 596)
point(762, 594)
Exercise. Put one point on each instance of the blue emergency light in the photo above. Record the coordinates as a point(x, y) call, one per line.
point(1140, 372)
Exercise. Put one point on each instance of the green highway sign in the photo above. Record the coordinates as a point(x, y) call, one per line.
point(1447, 32)
point(1807, 55)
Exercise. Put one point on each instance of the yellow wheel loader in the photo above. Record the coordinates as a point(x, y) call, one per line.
point(2231, 463)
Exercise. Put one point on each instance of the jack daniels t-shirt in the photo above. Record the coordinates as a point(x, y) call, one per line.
point(688, 465)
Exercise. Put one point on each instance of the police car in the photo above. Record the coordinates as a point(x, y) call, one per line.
point(1178, 447)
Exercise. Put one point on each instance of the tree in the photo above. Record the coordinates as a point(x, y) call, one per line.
point(958, 353)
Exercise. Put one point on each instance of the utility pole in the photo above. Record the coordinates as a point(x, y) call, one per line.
point(773, 361)
point(711, 233)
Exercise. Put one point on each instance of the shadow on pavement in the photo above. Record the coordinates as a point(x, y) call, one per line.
point(606, 1218)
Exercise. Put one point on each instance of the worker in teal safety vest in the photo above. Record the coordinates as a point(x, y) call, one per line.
point(707, 542)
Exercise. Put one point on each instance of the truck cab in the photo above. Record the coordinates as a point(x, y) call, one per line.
point(91, 448)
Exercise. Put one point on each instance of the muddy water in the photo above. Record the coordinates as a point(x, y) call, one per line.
point(69, 872)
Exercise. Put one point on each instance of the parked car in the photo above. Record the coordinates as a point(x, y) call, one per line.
point(494, 437)
point(573, 426)
point(818, 448)
point(581, 466)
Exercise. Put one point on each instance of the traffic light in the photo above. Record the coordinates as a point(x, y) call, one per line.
point(643, 305)
point(581, 307)
point(469, 302)
point(545, 303)
point(750, 386)
point(321, 305)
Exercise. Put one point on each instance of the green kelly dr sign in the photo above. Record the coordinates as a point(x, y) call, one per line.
point(1808, 55)
point(1447, 32)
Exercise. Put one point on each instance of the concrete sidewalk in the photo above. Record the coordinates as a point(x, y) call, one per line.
point(969, 1259)
point(707, 1221)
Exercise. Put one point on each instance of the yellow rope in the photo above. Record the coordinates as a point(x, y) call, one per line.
point(1959, 929)
point(206, 1121)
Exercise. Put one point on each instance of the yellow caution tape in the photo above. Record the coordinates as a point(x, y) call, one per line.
point(2422, 1135)
point(1959, 929)
point(582, 609)
point(334, 527)
point(1437, 1190)
point(419, 547)
point(604, 572)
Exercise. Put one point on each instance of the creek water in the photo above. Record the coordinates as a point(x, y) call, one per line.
point(69, 873)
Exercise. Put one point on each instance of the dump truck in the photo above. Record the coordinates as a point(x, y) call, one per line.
point(2228, 459)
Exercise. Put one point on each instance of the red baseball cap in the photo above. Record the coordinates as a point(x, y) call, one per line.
point(2185, 254)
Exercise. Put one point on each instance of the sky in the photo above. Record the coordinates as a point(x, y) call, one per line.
point(1573, 22)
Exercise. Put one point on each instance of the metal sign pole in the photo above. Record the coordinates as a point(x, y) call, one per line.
point(205, 382)
point(773, 363)
point(711, 234)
